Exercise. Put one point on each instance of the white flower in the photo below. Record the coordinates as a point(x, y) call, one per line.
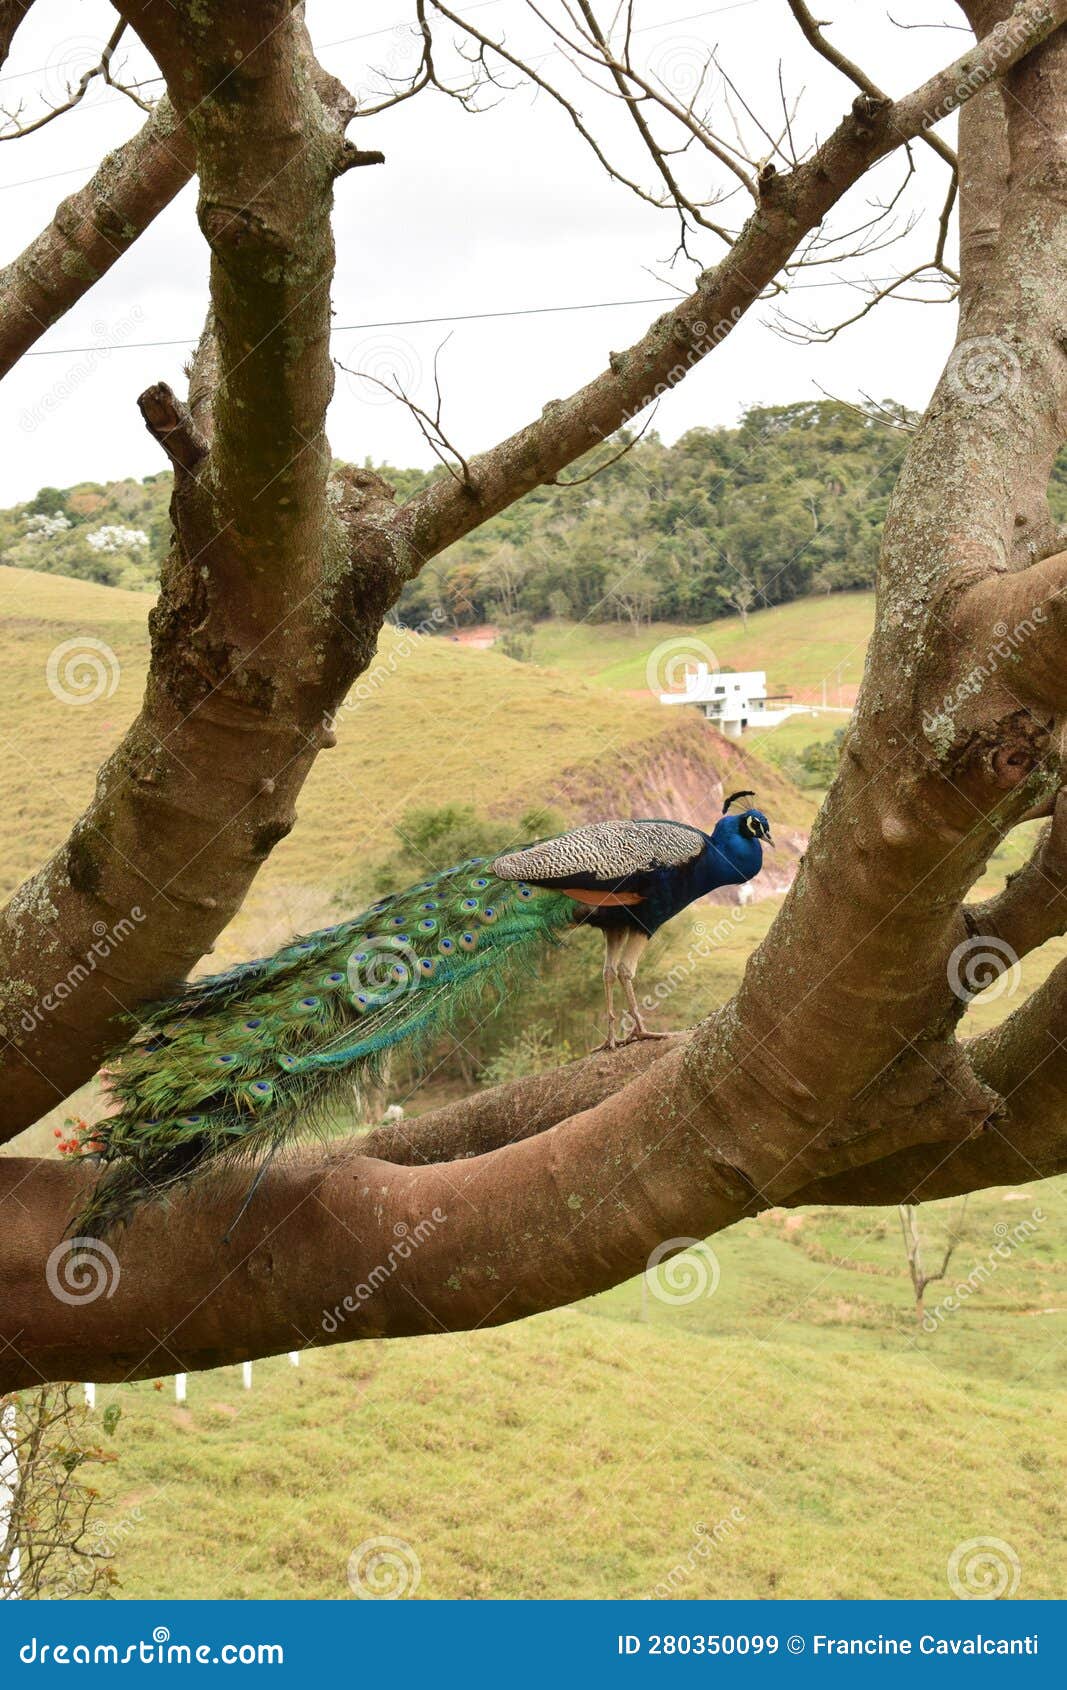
point(46, 527)
point(113, 538)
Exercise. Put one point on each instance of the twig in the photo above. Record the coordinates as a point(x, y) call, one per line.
point(577, 480)
point(74, 96)
point(430, 427)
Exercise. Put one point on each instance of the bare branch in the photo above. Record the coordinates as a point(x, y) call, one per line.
point(577, 480)
point(171, 423)
point(813, 34)
point(797, 203)
point(76, 93)
point(92, 229)
point(430, 426)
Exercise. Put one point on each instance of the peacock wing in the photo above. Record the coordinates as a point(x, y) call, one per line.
point(603, 855)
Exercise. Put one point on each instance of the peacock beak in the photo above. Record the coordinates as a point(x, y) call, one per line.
point(767, 840)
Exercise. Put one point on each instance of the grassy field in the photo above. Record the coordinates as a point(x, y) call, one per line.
point(430, 723)
point(800, 645)
point(790, 1430)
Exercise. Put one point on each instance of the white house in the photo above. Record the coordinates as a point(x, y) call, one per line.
point(734, 701)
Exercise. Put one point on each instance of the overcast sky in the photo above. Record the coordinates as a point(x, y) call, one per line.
point(503, 211)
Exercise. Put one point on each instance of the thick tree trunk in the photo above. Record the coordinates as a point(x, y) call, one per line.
point(833, 1075)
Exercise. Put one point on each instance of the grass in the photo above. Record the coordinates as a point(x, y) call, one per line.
point(800, 645)
point(430, 723)
point(795, 1418)
point(794, 1433)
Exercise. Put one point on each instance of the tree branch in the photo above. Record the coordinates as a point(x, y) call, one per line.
point(91, 230)
point(12, 13)
point(679, 340)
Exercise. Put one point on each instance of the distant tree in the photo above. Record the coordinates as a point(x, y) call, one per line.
point(49, 1542)
point(913, 1247)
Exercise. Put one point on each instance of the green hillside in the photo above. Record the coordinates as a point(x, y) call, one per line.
point(791, 1434)
point(790, 1431)
point(800, 645)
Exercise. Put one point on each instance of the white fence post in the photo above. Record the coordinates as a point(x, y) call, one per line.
point(179, 1386)
point(246, 1375)
point(9, 1478)
point(90, 1395)
point(294, 1358)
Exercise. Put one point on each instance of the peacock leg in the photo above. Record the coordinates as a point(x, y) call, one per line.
point(614, 940)
point(627, 970)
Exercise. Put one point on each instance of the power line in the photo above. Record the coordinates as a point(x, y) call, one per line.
point(421, 322)
point(389, 323)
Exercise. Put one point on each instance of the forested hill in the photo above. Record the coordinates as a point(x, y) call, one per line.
point(790, 502)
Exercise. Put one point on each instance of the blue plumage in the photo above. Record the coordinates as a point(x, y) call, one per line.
point(232, 1065)
point(630, 878)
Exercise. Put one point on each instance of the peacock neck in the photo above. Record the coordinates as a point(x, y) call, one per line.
point(729, 860)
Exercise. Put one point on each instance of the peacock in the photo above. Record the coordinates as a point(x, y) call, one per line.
point(231, 1066)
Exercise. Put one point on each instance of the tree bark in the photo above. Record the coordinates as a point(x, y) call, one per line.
point(91, 230)
point(265, 565)
point(833, 1075)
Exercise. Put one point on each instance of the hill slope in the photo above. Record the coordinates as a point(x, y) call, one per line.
point(789, 1434)
point(430, 723)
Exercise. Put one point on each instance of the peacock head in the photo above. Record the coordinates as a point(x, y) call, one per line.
point(750, 824)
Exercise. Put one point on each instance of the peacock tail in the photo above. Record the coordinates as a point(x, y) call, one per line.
point(233, 1065)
